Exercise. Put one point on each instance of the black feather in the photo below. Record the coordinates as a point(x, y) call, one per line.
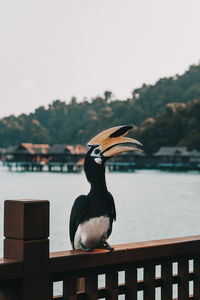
point(78, 215)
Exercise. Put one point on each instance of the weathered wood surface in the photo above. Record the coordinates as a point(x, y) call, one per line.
point(26, 231)
point(10, 269)
point(75, 260)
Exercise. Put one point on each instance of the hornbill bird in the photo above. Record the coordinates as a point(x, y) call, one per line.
point(92, 215)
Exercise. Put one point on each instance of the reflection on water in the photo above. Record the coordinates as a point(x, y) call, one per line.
point(150, 204)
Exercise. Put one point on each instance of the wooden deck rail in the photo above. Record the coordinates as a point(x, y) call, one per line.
point(143, 270)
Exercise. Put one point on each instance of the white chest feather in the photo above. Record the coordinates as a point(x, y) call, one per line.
point(92, 232)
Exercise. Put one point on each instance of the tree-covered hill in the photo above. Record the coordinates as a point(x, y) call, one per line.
point(152, 99)
point(77, 122)
point(179, 125)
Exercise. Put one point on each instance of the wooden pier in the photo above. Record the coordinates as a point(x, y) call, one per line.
point(66, 158)
point(121, 166)
point(26, 166)
point(28, 271)
point(43, 157)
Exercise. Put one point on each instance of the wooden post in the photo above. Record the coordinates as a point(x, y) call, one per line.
point(131, 282)
point(26, 231)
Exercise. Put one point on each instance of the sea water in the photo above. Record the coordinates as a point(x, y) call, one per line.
point(150, 204)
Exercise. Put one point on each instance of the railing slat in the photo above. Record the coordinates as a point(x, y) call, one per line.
point(112, 285)
point(197, 278)
point(149, 282)
point(91, 286)
point(131, 282)
point(69, 288)
point(183, 285)
point(51, 290)
point(166, 275)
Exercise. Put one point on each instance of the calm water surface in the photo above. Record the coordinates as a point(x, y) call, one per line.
point(150, 204)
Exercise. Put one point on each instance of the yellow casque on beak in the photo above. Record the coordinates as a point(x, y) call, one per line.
point(112, 140)
point(109, 133)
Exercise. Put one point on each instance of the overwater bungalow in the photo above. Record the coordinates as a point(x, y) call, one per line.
point(66, 153)
point(195, 159)
point(26, 156)
point(64, 157)
point(29, 156)
point(26, 152)
point(128, 161)
point(175, 158)
point(68, 158)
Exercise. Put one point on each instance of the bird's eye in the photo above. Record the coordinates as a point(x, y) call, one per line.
point(96, 151)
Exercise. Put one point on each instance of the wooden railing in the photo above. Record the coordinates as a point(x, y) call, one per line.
point(164, 269)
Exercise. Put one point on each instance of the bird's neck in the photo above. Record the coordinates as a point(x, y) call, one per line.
point(98, 184)
point(96, 176)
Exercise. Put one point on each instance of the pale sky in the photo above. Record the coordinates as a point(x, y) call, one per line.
point(56, 49)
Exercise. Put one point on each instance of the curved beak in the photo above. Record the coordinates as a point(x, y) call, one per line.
point(119, 145)
point(112, 141)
